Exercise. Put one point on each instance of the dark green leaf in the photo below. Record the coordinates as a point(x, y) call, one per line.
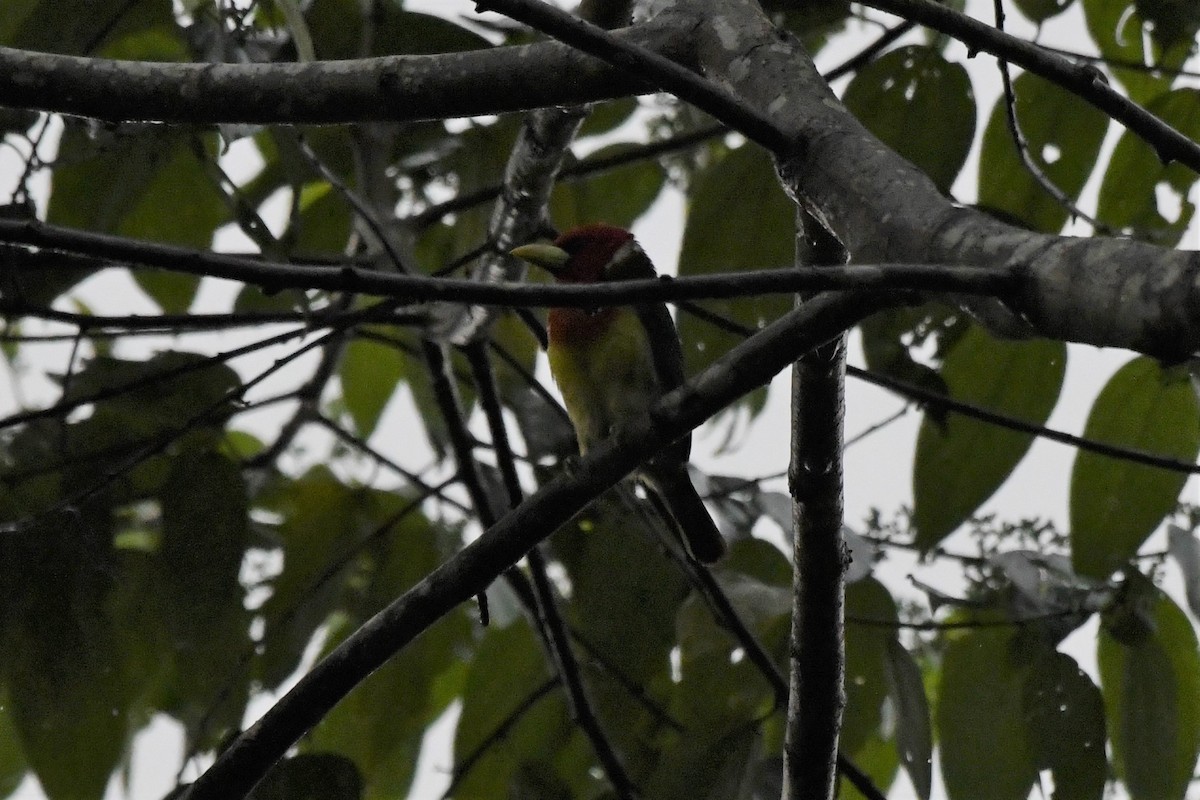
point(617, 572)
point(70, 698)
point(1064, 134)
point(381, 724)
point(725, 233)
point(205, 533)
point(1152, 699)
point(890, 337)
point(324, 524)
point(370, 372)
point(140, 182)
point(1170, 22)
point(914, 731)
point(311, 776)
point(606, 116)
point(920, 105)
point(878, 759)
point(1065, 715)
point(867, 601)
point(985, 752)
point(618, 196)
point(961, 463)
point(12, 760)
point(1120, 32)
point(79, 27)
point(1038, 11)
point(324, 225)
point(1136, 175)
point(166, 392)
point(1116, 504)
point(700, 761)
point(507, 717)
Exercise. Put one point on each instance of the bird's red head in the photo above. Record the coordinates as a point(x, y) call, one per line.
point(591, 248)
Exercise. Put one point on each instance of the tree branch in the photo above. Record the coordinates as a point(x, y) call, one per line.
point(547, 605)
point(817, 658)
point(1084, 80)
point(273, 276)
point(393, 88)
point(750, 364)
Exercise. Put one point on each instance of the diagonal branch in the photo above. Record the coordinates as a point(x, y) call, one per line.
point(547, 605)
point(745, 367)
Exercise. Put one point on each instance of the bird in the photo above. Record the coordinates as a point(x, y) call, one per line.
point(612, 364)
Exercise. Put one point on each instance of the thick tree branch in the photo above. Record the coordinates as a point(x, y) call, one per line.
point(529, 177)
point(419, 288)
point(394, 88)
point(1084, 80)
point(817, 658)
point(1098, 291)
point(745, 367)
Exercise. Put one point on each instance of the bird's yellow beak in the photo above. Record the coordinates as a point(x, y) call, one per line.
point(547, 256)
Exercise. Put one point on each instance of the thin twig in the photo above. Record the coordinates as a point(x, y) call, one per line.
point(559, 640)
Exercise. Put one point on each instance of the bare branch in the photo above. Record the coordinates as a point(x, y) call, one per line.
point(745, 367)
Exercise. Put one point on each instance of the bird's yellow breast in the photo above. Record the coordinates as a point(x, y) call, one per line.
point(604, 379)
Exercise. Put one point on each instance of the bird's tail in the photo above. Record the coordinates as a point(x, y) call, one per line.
point(674, 488)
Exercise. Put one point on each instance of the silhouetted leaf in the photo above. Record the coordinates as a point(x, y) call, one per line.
point(1116, 504)
point(961, 463)
point(1065, 715)
point(985, 750)
point(618, 196)
point(920, 105)
point(1064, 134)
point(725, 233)
point(1151, 691)
point(1129, 196)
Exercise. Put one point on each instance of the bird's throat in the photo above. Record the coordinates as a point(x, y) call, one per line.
point(578, 326)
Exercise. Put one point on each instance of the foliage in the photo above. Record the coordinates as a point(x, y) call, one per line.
point(159, 557)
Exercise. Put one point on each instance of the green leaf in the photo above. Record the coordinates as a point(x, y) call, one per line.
point(1065, 716)
point(1116, 504)
point(890, 338)
point(724, 233)
point(140, 182)
point(311, 776)
point(370, 372)
point(1151, 694)
point(380, 725)
point(323, 226)
point(1038, 11)
point(1064, 134)
point(606, 116)
point(920, 105)
point(618, 196)
point(960, 464)
point(204, 538)
point(508, 719)
point(1129, 194)
point(79, 27)
point(878, 759)
point(70, 698)
point(163, 393)
point(617, 572)
point(324, 524)
point(705, 765)
point(985, 750)
point(12, 760)
point(1170, 22)
point(914, 731)
point(1124, 37)
point(866, 670)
